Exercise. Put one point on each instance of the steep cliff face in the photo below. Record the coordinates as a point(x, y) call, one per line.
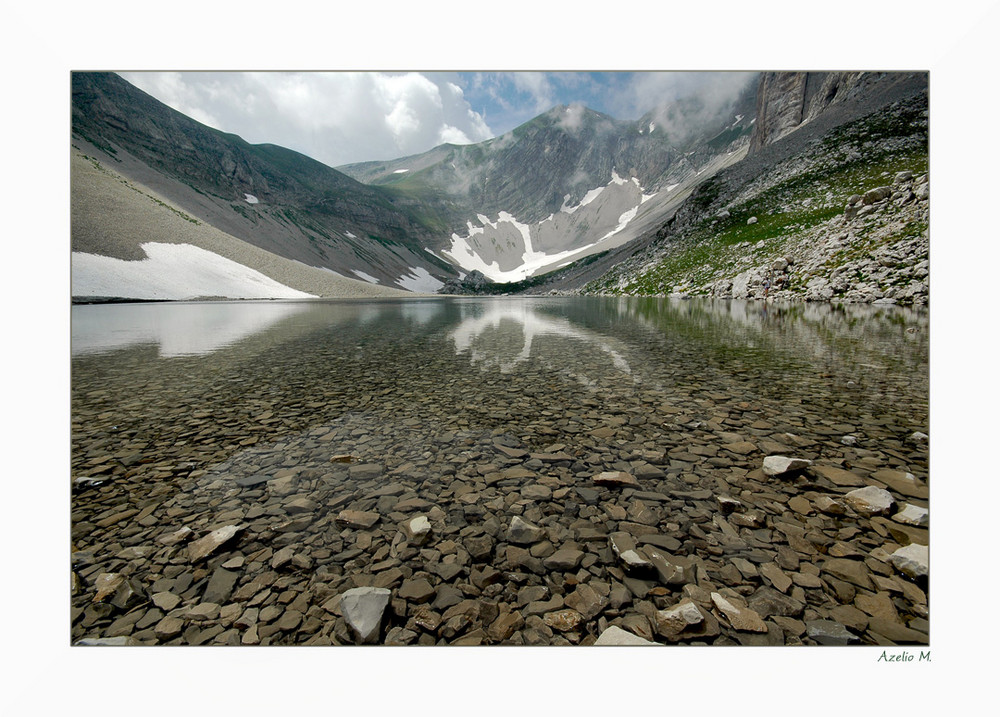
point(788, 100)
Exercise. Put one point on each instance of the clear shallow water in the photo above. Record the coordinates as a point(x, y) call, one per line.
point(483, 364)
point(180, 409)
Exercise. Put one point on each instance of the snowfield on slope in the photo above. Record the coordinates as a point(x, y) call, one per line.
point(175, 272)
point(507, 250)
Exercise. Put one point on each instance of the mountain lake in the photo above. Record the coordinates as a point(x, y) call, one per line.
point(502, 470)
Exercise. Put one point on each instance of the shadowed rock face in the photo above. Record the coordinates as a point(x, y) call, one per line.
point(787, 100)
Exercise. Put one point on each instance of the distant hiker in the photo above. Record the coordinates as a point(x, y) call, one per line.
point(767, 285)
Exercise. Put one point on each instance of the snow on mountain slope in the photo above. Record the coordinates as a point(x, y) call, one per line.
point(173, 271)
point(127, 241)
point(509, 250)
point(420, 281)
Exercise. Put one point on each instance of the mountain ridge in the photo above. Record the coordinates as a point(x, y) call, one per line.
point(561, 199)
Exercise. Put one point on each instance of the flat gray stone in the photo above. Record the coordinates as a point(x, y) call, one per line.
point(828, 632)
point(564, 559)
point(203, 547)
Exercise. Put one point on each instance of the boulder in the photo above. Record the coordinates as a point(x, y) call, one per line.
point(563, 620)
point(586, 601)
point(828, 632)
point(675, 620)
point(876, 195)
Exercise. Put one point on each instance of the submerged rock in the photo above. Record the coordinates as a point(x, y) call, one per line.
point(203, 547)
point(870, 500)
point(780, 465)
point(615, 479)
point(363, 609)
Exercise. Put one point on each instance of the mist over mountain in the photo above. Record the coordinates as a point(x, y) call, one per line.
point(572, 191)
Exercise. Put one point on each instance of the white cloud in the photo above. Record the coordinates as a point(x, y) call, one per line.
point(335, 117)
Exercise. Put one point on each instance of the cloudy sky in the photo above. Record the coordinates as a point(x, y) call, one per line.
point(344, 117)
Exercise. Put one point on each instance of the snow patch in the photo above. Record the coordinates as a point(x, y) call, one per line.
point(362, 275)
point(587, 199)
point(467, 253)
point(349, 235)
point(174, 272)
point(401, 171)
point(623, 221)
point(672, 187)
point(251, 199)
point(420, 281)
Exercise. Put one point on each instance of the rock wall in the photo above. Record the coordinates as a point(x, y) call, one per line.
point(788, 100)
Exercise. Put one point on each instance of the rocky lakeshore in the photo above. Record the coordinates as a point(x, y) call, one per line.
point(248, 499)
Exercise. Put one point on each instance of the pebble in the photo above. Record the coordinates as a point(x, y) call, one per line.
point(399, 508)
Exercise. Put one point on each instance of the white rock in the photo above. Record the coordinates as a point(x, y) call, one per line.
point(913, 515)
point(419, 529)
point(634, 561)
point(912, 560)
point(870, 500)
point(363, 609)
point(681, 615)
point(614, 635)
point(777, 465)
